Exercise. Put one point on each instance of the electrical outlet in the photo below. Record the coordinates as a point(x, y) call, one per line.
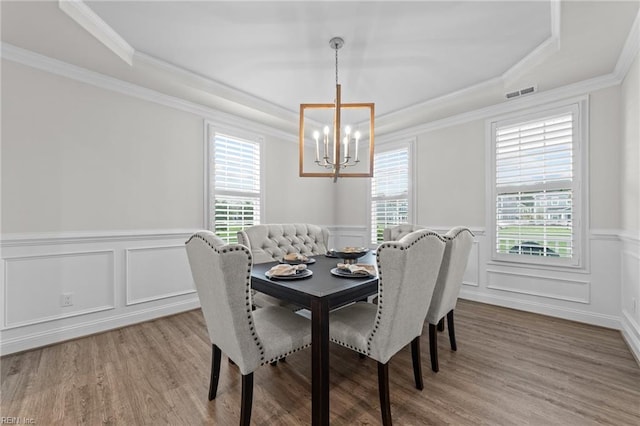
point(66, 299)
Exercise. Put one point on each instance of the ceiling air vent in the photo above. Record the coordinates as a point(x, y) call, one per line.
point(525, 91)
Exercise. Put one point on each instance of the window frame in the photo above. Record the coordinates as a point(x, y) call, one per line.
point(210, 131)
point(580, 187)
point(409, 144)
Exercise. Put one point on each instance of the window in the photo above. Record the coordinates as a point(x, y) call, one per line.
point(236, 186)
point(536, 208)
point(391, 198)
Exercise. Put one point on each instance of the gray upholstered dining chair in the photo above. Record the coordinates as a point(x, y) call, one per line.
point(269, 242)
point(445, 295)
point(394, 233)
point(222, 274)
point(407, 271)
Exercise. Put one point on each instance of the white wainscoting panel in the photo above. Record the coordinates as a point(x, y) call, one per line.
point(630, 294)
point(472, 273)
point(571, 290)
point(34, 286)
point(115, 278)
point(154, 273)
point(590, 295)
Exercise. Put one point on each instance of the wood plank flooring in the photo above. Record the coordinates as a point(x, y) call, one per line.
point(511, 368)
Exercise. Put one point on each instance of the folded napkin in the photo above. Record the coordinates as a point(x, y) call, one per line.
point(358, 268)
point(296, 257)
point(284, 270)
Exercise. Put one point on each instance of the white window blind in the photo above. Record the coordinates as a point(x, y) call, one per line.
point(389, 191)
point(236, 186)
point(535, 187)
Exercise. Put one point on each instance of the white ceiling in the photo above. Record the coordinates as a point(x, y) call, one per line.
point(396, 54)
point(272, 56)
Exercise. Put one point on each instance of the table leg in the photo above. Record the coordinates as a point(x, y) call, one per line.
point(319, 362)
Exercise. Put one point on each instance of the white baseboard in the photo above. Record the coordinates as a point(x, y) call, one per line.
point(114, 279)
point(608, 321)
point(631, 334)
point(86, 328)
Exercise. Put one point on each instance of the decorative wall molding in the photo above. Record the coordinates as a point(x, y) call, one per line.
point(471, 276)
point(33, 285)
point(569, 313)
point(630, 291)
point(605, 234)
point(117, 278)
point(94, 25)
point(530, 283)
point(54, 66)
point(86, 327)
point(529, 101)
point(631, 237)
point(88, 237)
point(157, 272)
point(543, 51)
point(629, 50)
point(631, 334)
point(64, 69)
point(152, 302)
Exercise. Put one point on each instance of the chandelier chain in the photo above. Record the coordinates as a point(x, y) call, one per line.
point(336, 64)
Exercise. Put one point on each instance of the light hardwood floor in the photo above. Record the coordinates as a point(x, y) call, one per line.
point(511, 368)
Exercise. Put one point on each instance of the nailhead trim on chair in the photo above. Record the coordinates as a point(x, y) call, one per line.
point(286, 354)
point(353, 348)
point(460, 232)
point(248, 307)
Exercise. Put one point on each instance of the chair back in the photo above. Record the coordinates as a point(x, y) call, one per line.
point(222, 274)
point(396, 232)
point(407, 271)
point(271, 242)
point(454, 263)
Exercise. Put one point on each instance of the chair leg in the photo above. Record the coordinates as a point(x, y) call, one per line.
point(383, 389)
point(441, 324)
point(247, 399)
point(433, 347)
point(215, 371)
point(417, 364)
point(452, 333)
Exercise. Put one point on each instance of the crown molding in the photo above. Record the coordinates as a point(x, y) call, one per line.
point(539, 98)
point(543, 51)
point(64, 69)
point(629, 50)
point(94, 25)
point(211, 86)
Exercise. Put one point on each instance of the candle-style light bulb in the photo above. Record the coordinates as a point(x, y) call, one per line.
point(316, 135)
point(347, 130)
point(326, 142)
point(345, 140)
point(357, 135)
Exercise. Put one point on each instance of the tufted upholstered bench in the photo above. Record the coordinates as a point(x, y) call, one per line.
point(396, 232)
point(271, 242)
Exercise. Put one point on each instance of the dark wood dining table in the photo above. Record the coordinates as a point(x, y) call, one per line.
point(320, 293)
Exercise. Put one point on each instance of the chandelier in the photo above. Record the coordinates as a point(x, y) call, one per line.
point(322, 151)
